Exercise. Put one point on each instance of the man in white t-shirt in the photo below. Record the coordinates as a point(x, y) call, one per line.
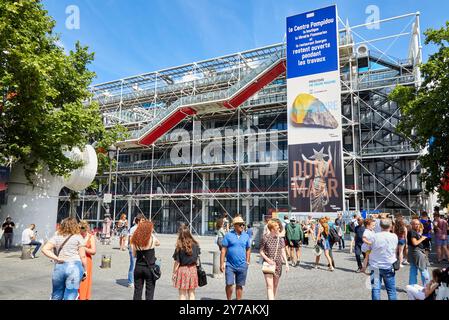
point(29, 238)
point(381, 260)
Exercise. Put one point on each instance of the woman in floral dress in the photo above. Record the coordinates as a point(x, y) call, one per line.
point(272, 250)
point(185, 276)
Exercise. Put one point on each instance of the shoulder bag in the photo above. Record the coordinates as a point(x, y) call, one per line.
point(271, 268)
point(58, 251)
point(202, 277)
point(396, 265)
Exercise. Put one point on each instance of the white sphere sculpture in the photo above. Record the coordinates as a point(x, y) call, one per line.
point(38, 203)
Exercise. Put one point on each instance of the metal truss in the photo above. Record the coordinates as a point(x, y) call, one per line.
point(378, 161)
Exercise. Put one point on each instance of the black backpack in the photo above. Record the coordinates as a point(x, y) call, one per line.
point(333, 235)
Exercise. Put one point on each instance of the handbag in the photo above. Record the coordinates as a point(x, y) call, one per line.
point(396, 265)
point(317, 250)
point(202, 277)
point(270, 268)
point(155, 269)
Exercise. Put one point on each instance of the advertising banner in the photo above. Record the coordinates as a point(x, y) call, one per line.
point(314, 113)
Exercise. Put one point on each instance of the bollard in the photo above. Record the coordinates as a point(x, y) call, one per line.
point(26, 252)
point(216, 273)
point(105, 261)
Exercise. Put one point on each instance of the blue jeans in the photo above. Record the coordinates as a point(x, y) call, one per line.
point(413, 275)
point(37, 244)
point(66, 280)
point(8, 240)
point(131, 267)
point(388, 276)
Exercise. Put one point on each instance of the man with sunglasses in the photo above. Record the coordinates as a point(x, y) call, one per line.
point(237, 250)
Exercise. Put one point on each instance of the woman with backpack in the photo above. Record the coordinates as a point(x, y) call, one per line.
point(143, 243)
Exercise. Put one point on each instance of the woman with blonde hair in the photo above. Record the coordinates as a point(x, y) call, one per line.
point(185, 276)
point(272, 249)
point(91, 249)
point(322, 238)
point(122, 230)
point(70, 260)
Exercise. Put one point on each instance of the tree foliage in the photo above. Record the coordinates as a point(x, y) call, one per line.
point(43, 93)
point(425, 113)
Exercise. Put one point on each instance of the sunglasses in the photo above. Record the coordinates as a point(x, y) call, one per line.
point(240, 224)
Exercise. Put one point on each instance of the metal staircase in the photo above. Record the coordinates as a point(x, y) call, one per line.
point(230, 98)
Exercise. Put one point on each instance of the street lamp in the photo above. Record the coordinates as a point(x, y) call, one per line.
point(107, 198)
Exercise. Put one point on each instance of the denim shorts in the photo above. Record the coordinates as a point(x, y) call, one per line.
point(440, 242)
point(325, 244)
point(401, 242)
point(236, 275)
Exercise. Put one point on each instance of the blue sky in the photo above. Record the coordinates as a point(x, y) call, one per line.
point(130, 37)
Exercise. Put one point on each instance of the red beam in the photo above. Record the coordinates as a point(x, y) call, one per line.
point(166, 126)
point(256, 86)
point(179, 115)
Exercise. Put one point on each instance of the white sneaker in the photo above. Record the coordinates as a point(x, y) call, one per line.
point(32, 256)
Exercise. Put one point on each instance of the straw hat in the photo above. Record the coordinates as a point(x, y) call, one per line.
point(238, 219)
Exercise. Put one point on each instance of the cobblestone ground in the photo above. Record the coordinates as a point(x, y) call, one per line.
point(31, 279)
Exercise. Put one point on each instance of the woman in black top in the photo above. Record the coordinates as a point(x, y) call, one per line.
point(143, 243)
point(185, 276)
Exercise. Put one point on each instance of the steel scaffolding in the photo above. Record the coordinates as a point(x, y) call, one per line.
point(381, 167)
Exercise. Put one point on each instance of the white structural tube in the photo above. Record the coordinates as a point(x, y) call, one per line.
point(38, 204)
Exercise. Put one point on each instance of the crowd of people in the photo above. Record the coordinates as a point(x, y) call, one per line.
point(382, 245)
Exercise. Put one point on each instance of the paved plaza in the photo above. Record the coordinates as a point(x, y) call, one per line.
point(31, 279)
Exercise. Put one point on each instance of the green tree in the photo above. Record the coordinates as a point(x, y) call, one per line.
point(43, 93)
point(425, 113)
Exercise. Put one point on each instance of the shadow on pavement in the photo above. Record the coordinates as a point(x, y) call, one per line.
point(122, 282)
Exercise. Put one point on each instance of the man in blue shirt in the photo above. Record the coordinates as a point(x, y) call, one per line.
point(237, 250)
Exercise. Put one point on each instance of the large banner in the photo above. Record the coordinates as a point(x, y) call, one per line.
point(314, 113)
